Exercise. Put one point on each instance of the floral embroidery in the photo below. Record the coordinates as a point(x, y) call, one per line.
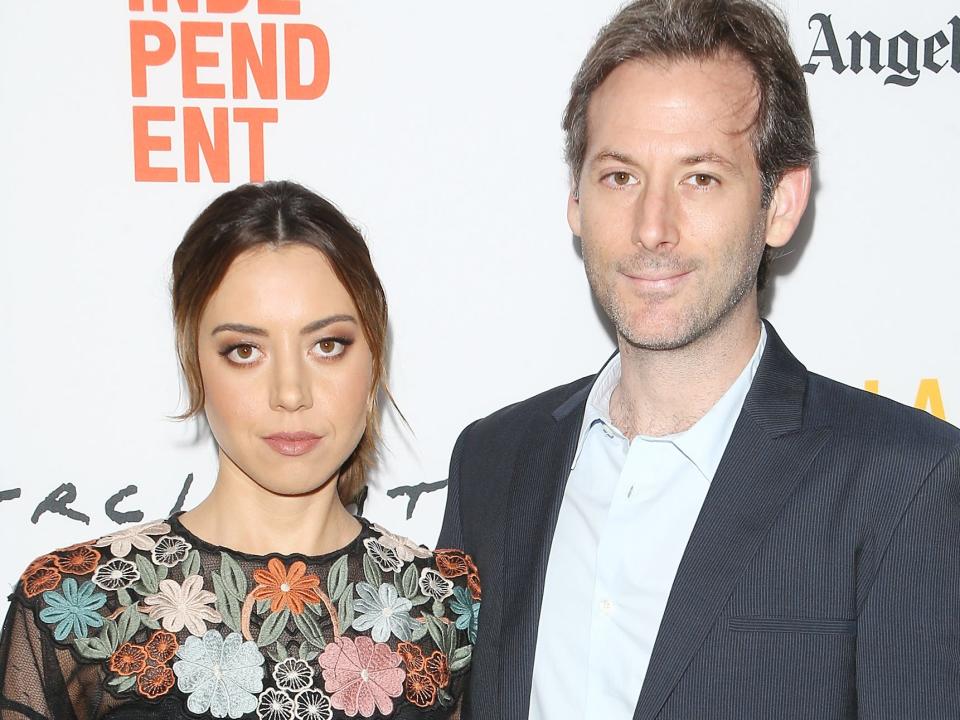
point(435, 585)
point(437, 668)
point(74, 610)
point(361, 676)
point(384, 557)
point(178, 606)
point(129, 659)
point(155, 681)
point(293, 675)
point(312, 705)
point(420, 689)
point(219, 675)
point(285, 588)
point(121, 541)
point(41, 579)
point(384, 611)
point(44, 561)
point(451, 563)
point(162, 646)
point(77, 561)
point(275, 705)
point(473, 582)
point(425, 676)
point(116, 575)
point(468, 612)
point(405, 548)
point(412, 655)
point(170, 550)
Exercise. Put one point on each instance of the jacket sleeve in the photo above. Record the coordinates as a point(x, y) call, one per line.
point(908, 634)
point(451, 532)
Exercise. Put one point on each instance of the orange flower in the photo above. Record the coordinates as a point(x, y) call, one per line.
point(42, 561)
point(162, 646)
point(290, 588)
point(420, 689)
point(156, 681)
point(129, 659)
point(43, 578)
point(77, 561)
point(412, 656)
point(473, 582)
point(436, 667)
point(451, 563)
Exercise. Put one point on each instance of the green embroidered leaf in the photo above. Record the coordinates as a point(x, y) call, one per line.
point(449, 639)
point(310, 629)
point(123, 597)
point(272, 654)
point(282, 652)
point(273, 628)
point(162, 572)
point(445, 698)
point(226, 604)
point(438, 608)
point(149, 622)
point(316, 608)
point(148, 575)
point(128, 623)
point(234, 581)
point(460, 658)
point(371, 572)
point(110, 636)
point(92, 648)
point(122, 684)
point(345, 607)
point(410, 578)
point(418, 632)
point(191, 565)
point(337, 578)
point(436, 632)
point(139, 588)
point(420, 600)
point(263, 606)
point(304, 652)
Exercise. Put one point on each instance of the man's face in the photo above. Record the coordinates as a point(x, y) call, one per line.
point(669, 200)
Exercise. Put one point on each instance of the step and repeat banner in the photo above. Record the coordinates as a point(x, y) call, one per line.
point(435, 126)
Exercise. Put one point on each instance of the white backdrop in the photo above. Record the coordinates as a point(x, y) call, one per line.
point(439, 133)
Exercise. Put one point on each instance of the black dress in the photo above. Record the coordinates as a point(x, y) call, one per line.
point(153, 622)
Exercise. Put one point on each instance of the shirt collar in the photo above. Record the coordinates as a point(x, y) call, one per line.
point(705, 441)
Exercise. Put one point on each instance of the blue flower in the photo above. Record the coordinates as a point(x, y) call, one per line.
point(468, 612)
point(220, 675)
point(384, 611)
point(74, 610)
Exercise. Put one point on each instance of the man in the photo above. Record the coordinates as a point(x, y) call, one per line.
point(704, 529)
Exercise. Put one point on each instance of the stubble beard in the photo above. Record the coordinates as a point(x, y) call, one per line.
point(709, 312)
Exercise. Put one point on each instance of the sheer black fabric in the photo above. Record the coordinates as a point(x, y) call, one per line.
point(153, 622)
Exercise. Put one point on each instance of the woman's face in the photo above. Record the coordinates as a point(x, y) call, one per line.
point(286, 369)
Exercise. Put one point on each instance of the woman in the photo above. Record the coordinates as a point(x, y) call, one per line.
point(269, 599)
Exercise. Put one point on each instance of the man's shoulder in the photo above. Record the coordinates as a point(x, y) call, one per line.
point(867, 418)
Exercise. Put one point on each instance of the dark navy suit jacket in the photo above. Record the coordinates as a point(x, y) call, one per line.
point(821, 580)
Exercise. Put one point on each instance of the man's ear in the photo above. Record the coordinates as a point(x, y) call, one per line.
point(573, 212)
point(788, 205)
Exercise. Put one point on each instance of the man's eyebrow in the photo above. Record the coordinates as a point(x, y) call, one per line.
point(615, 156)
point(711, 157)
point(311, 328)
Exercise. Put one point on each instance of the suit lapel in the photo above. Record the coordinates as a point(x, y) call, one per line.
point(764, 462)
point(540, 475)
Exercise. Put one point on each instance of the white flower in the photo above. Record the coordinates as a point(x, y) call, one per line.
point(405, 548)
point(121, 541)
point(219, 675)
point(293, 675)
point(116, 575)
point(170, 550)
point(435, 585)
point(275, 705)
point(313, 705)
point(183, 605)
point(383, 556)
point(384, 611)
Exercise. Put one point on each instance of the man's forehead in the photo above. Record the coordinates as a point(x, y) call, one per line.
point(676, 97)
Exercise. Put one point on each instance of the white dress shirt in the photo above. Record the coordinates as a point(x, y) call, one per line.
point(627, 513)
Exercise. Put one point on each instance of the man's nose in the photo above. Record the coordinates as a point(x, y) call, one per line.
point(655, 218)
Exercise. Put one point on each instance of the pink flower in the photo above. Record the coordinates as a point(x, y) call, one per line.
point(361, 675)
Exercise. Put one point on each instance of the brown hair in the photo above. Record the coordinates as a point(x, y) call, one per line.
point(276, 214)
point(696, 29)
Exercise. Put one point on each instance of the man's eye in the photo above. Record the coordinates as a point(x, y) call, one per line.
point(702, 180)
point(243, 354)
point(620, 178)
point(330, 347)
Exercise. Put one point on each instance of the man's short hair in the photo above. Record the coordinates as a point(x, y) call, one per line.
point(782, 132)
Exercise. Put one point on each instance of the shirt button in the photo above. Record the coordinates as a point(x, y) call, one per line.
point(606, 607)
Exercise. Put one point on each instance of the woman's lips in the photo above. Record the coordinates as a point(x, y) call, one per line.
point(292, 444)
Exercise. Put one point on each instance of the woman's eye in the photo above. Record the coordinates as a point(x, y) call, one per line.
point(243, 354)
point(330, 347)
point(620, 178)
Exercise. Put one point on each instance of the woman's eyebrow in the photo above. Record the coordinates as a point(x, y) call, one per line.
point(311, 328)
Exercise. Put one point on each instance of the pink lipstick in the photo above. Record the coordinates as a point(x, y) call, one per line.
point(292, 444)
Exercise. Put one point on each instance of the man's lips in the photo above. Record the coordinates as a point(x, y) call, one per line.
point(292, 444)
point(656, 281)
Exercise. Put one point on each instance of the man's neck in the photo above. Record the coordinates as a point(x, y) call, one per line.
point(662, 392)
